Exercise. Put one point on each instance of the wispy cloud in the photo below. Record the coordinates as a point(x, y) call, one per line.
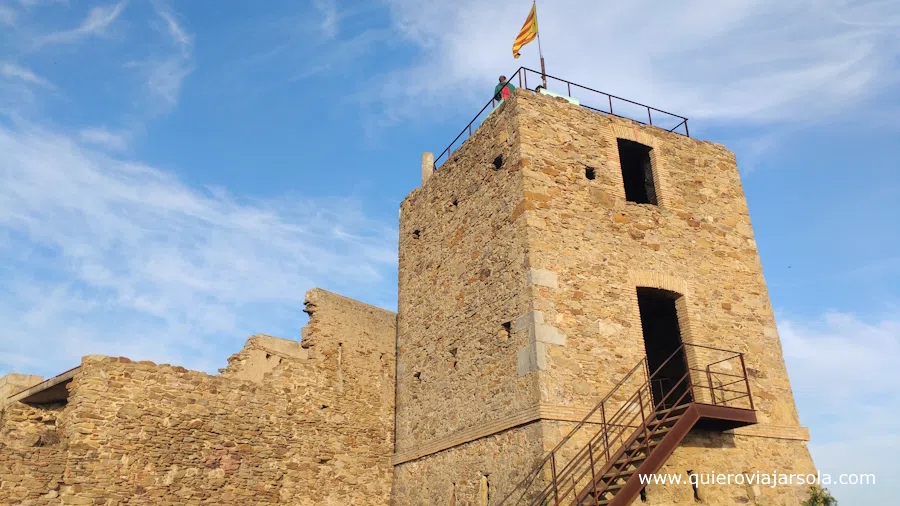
point(176, 32)
point(114, 141)
point(840, 367)
point(164, 75)
point(96, 23)
point(748, 60)
point(108, 255)
point(163, 79)
point(330, 16)
point(10, 70)
point(295, 50)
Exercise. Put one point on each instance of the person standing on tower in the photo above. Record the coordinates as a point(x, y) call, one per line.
point(503, 90)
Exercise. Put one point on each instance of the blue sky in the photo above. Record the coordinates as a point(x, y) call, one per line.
point(174, 176)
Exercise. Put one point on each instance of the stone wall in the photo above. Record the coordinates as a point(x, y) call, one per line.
point(461, 475)
point(461, 286)
point(569, 296)
point(597, 247)
point(261, 356)
point(593, 249)
point(519, 262)
point(285, 423)
point(32, 455)
point(461, 290)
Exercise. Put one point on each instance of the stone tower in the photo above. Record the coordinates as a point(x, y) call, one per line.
point(552, 253)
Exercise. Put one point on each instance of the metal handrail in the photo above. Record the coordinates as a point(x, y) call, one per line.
point(653, 408)
point(598, 406)
point(614, 429)
point(522, 75)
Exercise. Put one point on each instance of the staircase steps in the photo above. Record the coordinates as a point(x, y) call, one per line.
point(640, 429)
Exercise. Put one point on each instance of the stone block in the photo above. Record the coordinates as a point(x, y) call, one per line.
point(542, 277)
point(549, 334)
point(531, 358)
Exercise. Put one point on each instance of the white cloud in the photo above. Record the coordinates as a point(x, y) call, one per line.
point(164, 75)
point(848, 350)
point(114, 141)
point(13, 71)
point(163, 79)
point(747, 60)
point(107, 255)
point(176, 32)
point(330, 16)
point(842, 374)
point(96, 23)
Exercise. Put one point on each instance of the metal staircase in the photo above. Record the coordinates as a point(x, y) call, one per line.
point(606, 458)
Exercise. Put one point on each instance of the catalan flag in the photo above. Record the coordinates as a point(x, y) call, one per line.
point(528, 32)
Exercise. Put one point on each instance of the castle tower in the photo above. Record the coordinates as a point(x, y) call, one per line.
point(562, 254)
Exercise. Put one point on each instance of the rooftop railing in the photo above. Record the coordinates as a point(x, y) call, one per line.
point(595, 101)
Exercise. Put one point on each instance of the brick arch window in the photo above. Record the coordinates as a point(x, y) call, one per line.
point(661, 312)
point(642, 167)
point(637, 172)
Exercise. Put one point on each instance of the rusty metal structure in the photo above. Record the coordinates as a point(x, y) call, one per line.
point(604, 104)
point(634, 429)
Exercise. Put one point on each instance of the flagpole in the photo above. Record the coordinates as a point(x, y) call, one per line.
point(540, 52)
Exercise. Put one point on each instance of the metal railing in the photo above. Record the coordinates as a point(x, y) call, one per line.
point(599, 101)
point(707, 376)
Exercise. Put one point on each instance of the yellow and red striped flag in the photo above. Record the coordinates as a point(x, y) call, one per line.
point(528, 32)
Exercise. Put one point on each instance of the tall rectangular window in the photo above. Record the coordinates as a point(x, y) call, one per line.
point(662, 342)
point(637, 172)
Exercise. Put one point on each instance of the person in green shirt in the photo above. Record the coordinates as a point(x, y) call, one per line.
point(503, 90)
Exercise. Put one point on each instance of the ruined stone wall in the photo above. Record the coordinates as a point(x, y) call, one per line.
point(32, 455)
point(590, 249)
point(283, 424)
point(14, 383)
point(461, 290)
point(261, 356)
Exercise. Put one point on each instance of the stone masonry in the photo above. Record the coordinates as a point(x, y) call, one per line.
point(518, 307)
point(519, 265)
point(286, 422)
